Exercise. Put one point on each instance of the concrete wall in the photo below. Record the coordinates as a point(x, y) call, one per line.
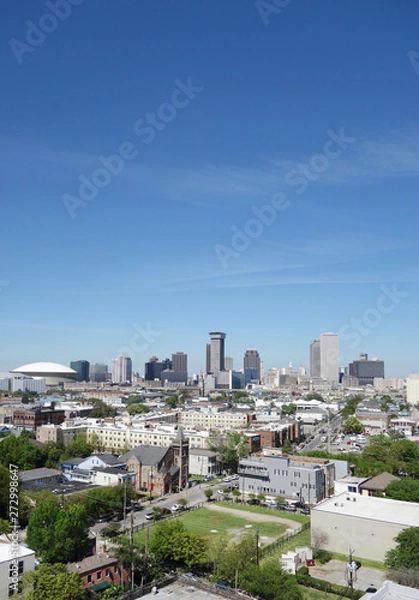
point(368, 539)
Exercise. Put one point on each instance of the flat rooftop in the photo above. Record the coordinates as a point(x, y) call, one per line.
point(374, 509)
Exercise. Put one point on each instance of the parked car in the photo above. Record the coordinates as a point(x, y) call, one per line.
point(176, 507)
point(305, 511)
point(165, 511)
point(149, 516)
point(104, 518)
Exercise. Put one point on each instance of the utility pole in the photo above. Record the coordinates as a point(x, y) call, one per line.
point(131, 539)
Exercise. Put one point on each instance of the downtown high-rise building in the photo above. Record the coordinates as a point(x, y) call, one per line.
point(216, 352)
point(82, 368)
point(366, 370)
point(122, 369)
point(98, 373)
point(329, 357)
point(251, 365)
point(315, 358)
point(180, 362)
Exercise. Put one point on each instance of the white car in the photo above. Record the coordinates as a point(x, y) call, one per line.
point(176, 507)
point(220, 492)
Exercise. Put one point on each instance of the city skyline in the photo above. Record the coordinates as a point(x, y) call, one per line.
point(208, 168)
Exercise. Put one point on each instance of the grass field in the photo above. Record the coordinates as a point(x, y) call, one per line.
point(266, 511)
point(311, 594)
point(211, 523)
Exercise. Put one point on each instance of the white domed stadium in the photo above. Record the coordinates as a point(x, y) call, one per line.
point(53, 373)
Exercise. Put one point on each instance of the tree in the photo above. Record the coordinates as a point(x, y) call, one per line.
point(350, 407)
point(286, 446)
point(352, 425)
point(100, 409)
point(314, 396)
point(137, 409)
point(40, 534)
point(288, 409)
point(209, 492)
point(52, 581)
point(236, 494)
point(319, 539)
point(406, 553)
point(270, 582)
point(58, 535)
point(173, 543)
point(406, 489)
point(237, 556)
point(172, 401)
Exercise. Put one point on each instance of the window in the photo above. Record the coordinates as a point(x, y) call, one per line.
point(99, 575)
point(15, 569)
point(108, 572)
point(89, 579)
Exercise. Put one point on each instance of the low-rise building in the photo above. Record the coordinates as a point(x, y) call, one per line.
point(364, 523)
point(304, 478)
point(203, 462)
point(36, 479)
point(379, 483)
point(99, 570)
point(15, 560)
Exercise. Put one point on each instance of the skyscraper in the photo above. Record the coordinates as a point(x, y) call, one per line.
point(366, 370)
point(82, 367)
point(99, 373)
point(180, 361)
point(154, 368)
point(215, 356)
point(251, 365)
point(329, 357)
point(315, 358)
point(122, 369)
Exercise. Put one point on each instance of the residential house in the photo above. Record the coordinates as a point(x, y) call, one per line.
point(36, 479)
point(379, 483)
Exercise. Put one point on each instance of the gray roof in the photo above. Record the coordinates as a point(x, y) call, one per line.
point(201, 452)
point(146, 455)
point(109, 459)
point(111, 470)
point(73, 461)
point(33, 474)
point(379, 482)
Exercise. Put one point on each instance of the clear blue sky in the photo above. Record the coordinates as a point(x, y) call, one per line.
point(160, 246)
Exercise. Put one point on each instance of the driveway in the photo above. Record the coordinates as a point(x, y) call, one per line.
point(334, 572)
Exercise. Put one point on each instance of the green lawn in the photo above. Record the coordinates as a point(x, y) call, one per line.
point(311, 594)
point(266, 511)
point(205, 521)
point(301, 539)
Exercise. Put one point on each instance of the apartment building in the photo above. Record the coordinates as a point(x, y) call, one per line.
point(116, 437)
point(289, 477)
point(216, 420)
